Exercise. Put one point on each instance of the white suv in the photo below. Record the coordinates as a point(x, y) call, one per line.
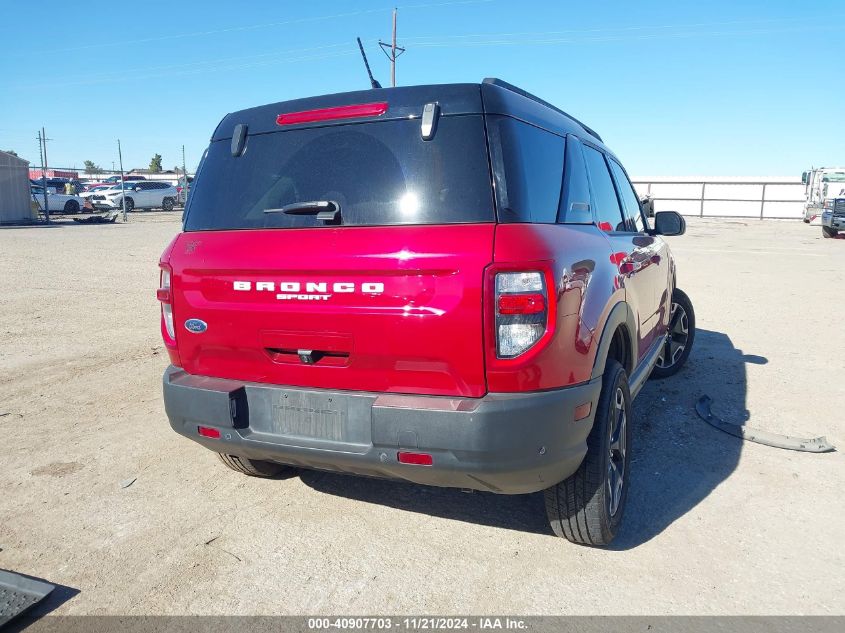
point(144, 194)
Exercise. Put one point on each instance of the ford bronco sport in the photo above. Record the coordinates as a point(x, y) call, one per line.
point(452, 285)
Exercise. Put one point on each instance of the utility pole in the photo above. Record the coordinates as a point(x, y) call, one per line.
point(393, 54)
point(42, 151)
point(122, 184)
point(185, 176)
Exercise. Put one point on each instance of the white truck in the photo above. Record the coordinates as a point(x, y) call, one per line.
point(819, 184)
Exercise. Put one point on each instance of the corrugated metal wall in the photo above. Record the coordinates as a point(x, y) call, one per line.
point(14, 190)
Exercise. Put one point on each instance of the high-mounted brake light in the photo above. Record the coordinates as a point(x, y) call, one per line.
point(521, 312)
point(328, 114)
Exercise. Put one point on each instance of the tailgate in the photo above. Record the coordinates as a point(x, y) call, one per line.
point(385, 309)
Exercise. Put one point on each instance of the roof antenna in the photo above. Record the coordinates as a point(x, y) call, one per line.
point(373, 82)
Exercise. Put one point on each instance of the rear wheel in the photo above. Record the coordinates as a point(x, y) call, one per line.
point(252, 467)
point(587, 507)
point(679, 338)
point(71, 206)
point(167, 204)
point(829, 232)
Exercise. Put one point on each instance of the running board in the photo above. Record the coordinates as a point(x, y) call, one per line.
point(636, 380)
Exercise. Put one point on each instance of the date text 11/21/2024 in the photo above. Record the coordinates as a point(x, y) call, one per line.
point(422, 623)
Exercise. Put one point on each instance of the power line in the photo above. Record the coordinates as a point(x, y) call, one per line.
point(649, 27)
point(262, 25)
point(616, 38)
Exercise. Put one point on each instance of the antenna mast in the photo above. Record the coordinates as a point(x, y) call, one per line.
point(373, 82)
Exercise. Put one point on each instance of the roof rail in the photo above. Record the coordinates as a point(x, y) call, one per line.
point(504, 84)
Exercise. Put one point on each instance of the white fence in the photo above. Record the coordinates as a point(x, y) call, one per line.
point(761, 197)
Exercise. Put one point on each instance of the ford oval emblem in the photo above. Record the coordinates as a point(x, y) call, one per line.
point(196, 326)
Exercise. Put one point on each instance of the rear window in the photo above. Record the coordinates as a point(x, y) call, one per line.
point(379, 173)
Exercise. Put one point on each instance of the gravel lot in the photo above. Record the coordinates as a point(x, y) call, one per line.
point(713, 525)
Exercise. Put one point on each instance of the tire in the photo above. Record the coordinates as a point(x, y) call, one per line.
point(806, 220)
point(71, 206)
point(587, 507)
point(167, 204)
point(678, 345)
point(130, 205)
point(829, 232)
point(252, 467)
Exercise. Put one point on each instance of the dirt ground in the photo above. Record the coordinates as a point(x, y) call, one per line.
point(713, 525)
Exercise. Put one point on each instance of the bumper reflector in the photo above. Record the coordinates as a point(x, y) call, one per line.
point(582, 411)
point(207, 431)
point(418, 459)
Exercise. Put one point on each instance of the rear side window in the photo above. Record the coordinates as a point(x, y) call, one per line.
point(607, 211)
point(528, 168)
point(630, 202)
point(575, 200)
point(379, 173)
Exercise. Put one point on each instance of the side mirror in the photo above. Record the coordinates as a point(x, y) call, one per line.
point(804, 178)
point(647, 205)
point(669, 223)
point(138, 188)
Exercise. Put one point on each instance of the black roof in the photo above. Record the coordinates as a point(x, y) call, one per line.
point(492, 96)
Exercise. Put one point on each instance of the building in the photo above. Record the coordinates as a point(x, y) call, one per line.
point(15, 197)
point(35, 174)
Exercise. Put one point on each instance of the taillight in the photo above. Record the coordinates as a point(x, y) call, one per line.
point(164, 295)
point(521, 312)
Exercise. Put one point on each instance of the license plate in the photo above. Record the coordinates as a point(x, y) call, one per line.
point(311, 415)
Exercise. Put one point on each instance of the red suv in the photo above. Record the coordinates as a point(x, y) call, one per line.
point(452, 285)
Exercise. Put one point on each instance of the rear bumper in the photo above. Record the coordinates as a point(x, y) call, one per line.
point(508, 443)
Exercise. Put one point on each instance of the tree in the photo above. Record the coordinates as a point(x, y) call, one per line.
point(91, 168)
point(11, 151)
point(155, 164)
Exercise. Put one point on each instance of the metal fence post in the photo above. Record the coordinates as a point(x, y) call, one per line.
point(701, 209)
point(763, 201)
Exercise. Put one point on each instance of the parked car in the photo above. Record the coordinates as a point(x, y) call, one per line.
point(57, 185)
point(833, 216)
point(147, 194)
point(56, 202)
point(99, 189)
point(126, 178)
point(452, 285)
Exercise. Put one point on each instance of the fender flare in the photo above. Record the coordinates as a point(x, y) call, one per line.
point(620, 314)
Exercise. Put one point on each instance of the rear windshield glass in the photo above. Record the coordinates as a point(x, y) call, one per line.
point(377, 173)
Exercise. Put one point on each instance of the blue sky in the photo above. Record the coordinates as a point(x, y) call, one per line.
point(674, 88)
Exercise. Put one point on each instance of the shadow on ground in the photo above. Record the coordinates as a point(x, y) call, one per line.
point(678, 459)
point(57, 598)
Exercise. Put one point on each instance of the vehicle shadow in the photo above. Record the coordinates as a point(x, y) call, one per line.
point(678, 459)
